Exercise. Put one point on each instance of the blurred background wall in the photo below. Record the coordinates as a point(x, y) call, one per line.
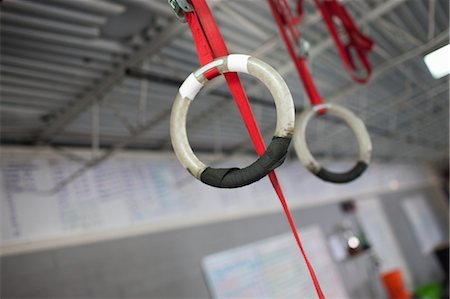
point(167, 263)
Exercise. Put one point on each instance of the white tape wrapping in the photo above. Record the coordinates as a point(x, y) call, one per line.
point(209, 66)
point(319, 107)
point(190, 87)
point(237, 63)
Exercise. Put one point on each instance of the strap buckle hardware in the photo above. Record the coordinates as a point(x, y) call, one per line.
point(179, 7)
point(303, 49)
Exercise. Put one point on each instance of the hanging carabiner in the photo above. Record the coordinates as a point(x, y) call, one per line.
point(180, 7)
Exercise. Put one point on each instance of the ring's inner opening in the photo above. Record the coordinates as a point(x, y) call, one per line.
point(216, 130)
point(332, 142)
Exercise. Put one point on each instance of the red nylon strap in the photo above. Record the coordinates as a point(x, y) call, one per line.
point(357, 42)
point(210, 45)
point(287, 24)
point(217, 48)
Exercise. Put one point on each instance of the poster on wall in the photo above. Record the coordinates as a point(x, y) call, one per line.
point(273, 268)
point(424, 225)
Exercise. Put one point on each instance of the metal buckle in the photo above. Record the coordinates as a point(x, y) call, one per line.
point(304, 47)
point(180, 7)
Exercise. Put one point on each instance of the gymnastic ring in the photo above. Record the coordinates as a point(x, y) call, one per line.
point(275, 153)
point(305, 156)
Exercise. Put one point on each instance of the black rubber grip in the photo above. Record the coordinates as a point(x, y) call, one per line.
point(236, 177)
point(344, 177)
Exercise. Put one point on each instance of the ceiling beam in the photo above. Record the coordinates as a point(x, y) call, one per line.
point(52, 26)
point(111, 151)
point(376, 13)
point(391, 63)
point(45, 10)
point(97, 6)
point(75, 108)
point(318, 49)
point(97, 44)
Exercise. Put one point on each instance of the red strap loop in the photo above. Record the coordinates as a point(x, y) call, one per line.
point(210, 44)
point(358, 43)
point(286, 22)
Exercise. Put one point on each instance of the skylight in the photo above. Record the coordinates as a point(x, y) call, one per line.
point(438, 62)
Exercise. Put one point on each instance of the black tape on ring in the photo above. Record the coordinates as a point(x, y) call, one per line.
point(344, 177)
point(236, 177)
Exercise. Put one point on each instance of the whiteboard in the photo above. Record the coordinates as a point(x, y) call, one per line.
point(273, 268)
point(138, 192)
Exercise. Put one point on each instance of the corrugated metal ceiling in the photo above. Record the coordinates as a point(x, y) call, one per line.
point(56, 53)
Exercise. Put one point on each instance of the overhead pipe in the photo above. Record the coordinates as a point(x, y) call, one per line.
point(42, 9)
point(97, 44)
point(53, 67)
point(88, 54)
point(97, 6)
point(33, 93)
point(14, 100)
point(20, 109)
point(156, 7)
point(49, 25)
point(62, 60)
point(236, 15)
point(44, 76)
point(142, 74)
point(37, 83)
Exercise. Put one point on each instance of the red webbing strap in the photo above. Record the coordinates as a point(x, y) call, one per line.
point(289, 20)
point(284, 18)
point(357, 41)
point(217, 48)
point(205, 31)
point(204, 51)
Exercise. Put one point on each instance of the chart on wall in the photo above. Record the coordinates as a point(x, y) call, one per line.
point(116, 194)
point(273, 268)
point(135, 189)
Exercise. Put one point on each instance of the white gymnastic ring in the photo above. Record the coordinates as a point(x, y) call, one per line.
point(195, 81)
point(357, 126)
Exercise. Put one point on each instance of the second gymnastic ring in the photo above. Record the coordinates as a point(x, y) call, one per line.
point(305, 156)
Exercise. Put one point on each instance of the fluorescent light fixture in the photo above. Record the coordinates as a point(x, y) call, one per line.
point(438, 62)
